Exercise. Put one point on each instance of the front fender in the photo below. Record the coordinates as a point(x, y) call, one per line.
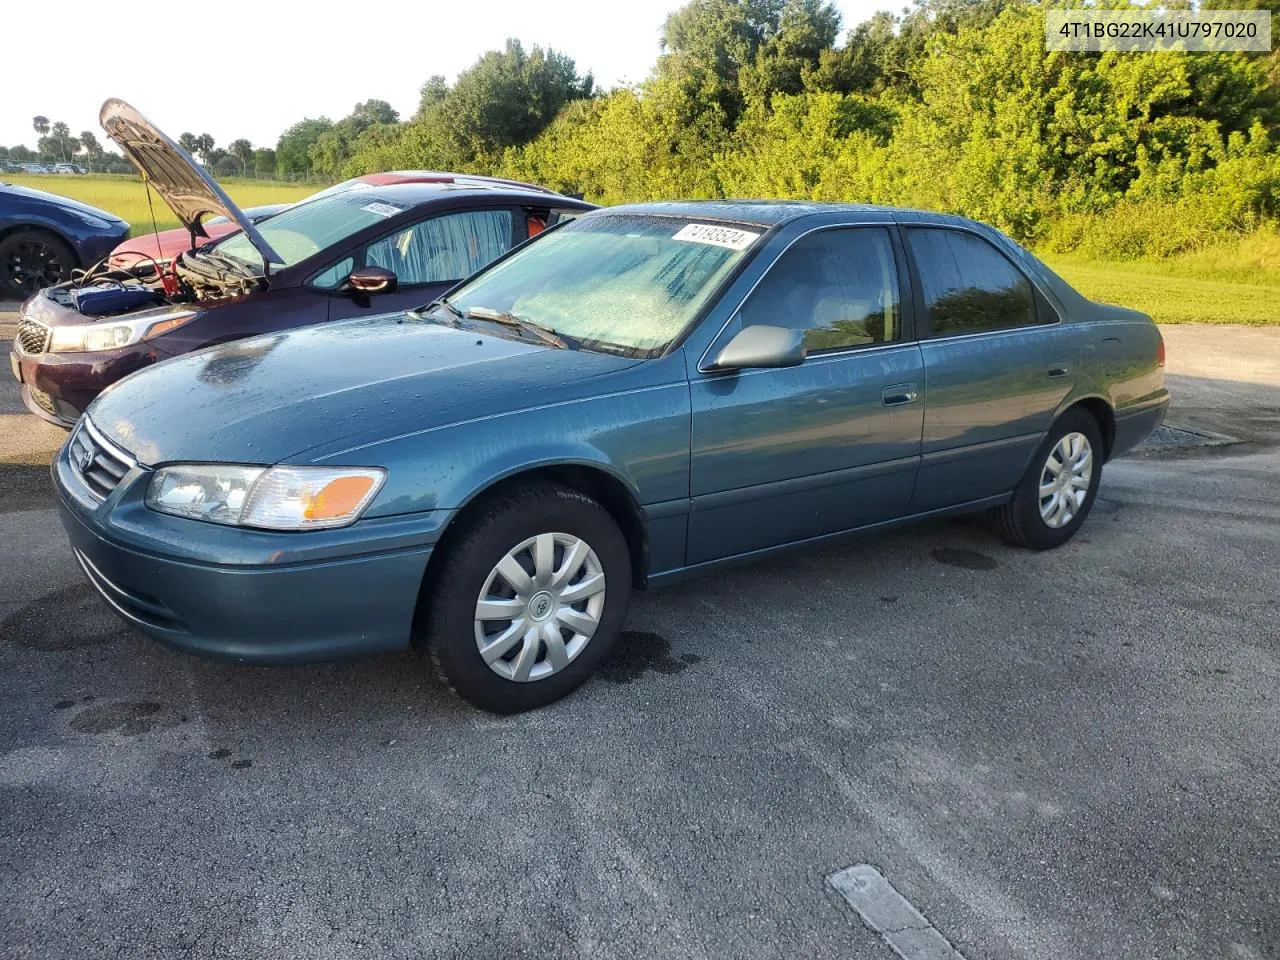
point(640, 437)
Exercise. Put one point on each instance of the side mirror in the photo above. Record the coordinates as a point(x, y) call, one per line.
point(763, 346)
point(370, 280)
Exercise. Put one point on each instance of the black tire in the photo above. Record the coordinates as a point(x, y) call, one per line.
point(31, 260)
point(1019, 521)
point(450, 607)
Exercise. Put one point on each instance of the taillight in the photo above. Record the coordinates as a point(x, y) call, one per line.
point(1159, 350)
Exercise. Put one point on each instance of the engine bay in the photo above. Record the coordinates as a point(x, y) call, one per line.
point(107, 291)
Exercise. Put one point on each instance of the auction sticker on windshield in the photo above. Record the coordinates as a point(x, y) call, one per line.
point(382, 209)
point(729, 237)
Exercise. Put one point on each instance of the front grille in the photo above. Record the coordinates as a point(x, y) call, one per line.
point(32, 337)
point(99, 464)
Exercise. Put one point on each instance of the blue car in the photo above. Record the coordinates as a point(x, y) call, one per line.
point(43, 237)
point(637, 395)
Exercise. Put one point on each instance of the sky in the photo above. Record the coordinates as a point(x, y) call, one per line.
point(309, 59)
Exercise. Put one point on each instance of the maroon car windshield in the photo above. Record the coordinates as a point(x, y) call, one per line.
point(313, 225)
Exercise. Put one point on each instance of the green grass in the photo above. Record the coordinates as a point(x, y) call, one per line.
point(1176, 291)
point(126, 197)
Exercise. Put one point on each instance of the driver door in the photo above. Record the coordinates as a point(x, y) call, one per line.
point(781, 455)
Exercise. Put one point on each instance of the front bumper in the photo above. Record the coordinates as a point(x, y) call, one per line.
point(247, 595)
point(59, 386)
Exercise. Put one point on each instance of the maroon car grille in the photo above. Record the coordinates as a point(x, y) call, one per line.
point(32, 337)
point(99, 464)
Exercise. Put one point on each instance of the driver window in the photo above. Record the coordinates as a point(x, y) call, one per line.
point(332, 278)
point(443, 249)
point(838, 286)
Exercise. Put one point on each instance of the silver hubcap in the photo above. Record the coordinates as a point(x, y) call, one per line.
point(1065, 479)
point(539, 607)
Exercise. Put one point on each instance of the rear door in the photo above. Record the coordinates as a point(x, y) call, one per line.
point(781, 455)
point(996, 366)
point(427, 257)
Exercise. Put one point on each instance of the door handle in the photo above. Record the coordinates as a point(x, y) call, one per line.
point(1059, 369)
point(898, 394)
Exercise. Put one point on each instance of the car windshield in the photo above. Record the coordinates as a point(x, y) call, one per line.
point(304, 230)
point(614, 282)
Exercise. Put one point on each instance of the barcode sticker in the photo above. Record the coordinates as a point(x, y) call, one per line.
point(382, 209)
point(730, 237)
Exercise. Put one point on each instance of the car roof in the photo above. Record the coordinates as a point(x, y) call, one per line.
point(769, 213)
point(416, 193)
point(388, 177)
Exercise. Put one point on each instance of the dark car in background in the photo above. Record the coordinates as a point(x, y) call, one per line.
point(348, 253)
point(644, 393)
point(43, 237)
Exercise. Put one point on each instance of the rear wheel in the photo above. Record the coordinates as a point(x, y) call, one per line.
point(31, 260)
point(1055, 495)
point(529, 599)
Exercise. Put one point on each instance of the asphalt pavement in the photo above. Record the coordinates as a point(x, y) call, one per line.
point(1067, 754)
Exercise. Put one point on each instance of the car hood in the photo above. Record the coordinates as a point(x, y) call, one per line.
point(65, 203)
point(307, 393)
point(186, 187)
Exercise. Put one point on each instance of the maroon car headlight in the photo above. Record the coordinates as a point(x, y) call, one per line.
point(268, 498)
point(112, 335)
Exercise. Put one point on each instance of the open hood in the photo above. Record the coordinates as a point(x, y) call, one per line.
point(185, 185)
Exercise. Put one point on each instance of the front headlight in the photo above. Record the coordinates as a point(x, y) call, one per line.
point(96, 337)
point(270, 498)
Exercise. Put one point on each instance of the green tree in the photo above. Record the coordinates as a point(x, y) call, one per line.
point(334, 147)
point(205, 146)
point(789, 53)
point(242, 150)
point(40, 124)
point(59, 144)
point(264, 162)
point(291, 150)
point(505, 99)
point(433, 92)
point(92, 148)
point(189, 142)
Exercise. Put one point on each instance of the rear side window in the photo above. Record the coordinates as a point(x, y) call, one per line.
point(969, 286)
point(443, 249)
point(839, 287)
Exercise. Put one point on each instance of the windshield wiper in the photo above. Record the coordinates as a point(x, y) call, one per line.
point(545, 334)
point(421, 312)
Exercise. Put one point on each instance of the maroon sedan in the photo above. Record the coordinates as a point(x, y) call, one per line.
point(343, 253)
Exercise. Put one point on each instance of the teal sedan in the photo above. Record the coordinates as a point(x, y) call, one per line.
point(640, 394)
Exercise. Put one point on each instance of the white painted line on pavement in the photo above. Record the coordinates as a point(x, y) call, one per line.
point(891, 915)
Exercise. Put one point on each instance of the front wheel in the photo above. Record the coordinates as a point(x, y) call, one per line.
point(31, 260)
point(1056, 493)
point(529, 599)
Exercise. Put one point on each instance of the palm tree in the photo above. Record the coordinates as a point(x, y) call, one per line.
point(242, 150)
point(62, 137)
point(41, 124)
point(205, 144)
point(92, 149)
